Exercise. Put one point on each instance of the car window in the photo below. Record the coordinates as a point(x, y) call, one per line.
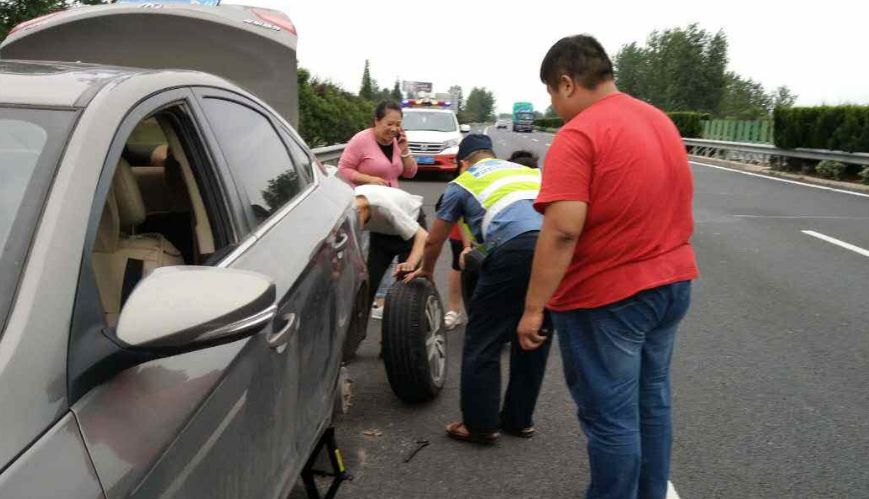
point(301, 158)
point(31, 141)
point(258, 158)
point(431, 121)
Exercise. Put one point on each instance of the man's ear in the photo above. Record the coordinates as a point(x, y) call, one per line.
point(566, 86)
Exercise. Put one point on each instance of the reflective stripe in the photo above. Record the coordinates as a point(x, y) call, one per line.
point(502, 182)
point(502, 204)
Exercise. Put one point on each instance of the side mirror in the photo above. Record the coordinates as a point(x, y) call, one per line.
point(173, 311)
point(465, 128)
point(186, 308)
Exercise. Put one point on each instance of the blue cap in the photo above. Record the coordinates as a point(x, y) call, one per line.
point(471, 143)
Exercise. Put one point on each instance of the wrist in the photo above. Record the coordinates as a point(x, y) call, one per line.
point(405, 153)
point(534, 308)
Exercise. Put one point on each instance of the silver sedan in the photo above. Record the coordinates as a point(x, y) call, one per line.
point(177, 277)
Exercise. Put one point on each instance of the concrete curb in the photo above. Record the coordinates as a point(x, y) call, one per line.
point(765, 170)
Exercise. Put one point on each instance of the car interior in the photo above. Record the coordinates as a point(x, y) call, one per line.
point(154, 215)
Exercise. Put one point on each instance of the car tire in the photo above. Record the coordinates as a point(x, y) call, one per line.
point(414, 341)
point(358, 325)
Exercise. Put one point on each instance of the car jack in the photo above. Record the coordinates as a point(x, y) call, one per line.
point(339, 472)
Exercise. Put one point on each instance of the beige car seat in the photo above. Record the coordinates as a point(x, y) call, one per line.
point(121, 258)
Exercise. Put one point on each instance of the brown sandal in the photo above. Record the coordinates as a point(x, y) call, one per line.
point(459, 431)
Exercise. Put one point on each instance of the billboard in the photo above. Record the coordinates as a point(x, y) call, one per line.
point(412, 89)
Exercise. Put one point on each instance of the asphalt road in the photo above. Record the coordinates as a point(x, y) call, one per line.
point(770, 372)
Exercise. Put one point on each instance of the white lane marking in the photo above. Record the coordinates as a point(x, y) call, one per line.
point(783, 180)
point(535, 140)
point(671, 491)
point(486, 131)
point(833, 240)
point(803, 217)
point(549, 144)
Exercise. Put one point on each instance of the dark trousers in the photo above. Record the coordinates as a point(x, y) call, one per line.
point(382, 249)
point(495, 310)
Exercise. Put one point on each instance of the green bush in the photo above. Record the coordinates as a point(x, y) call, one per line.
point(329, 115)
point(690, 124)
point(836, 128)
point(864, 175)
point(548, 122)
point(831, 169)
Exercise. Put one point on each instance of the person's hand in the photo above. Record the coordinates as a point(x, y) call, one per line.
point(403, 270)
point(529, 330)
point(377, 181)
point(462, 257)
point(418, 273)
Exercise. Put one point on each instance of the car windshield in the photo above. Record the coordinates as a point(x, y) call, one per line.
point(526, 116)
point(432, 121)
point(30, 142)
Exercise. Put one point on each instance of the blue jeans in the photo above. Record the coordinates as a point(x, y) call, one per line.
point(617, 367)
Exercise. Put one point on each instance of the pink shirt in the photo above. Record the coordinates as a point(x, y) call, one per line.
point(363, 155)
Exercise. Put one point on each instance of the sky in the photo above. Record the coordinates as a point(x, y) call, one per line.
point(817, 48)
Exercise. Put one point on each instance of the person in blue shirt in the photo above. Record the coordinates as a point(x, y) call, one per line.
point(494, 199)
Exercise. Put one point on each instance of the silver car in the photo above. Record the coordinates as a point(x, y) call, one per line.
point(177, 277)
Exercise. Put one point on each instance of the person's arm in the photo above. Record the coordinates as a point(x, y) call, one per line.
point(415, 256)
point(439, 233)
point(408, 163)
point(563, 200)
point(562, 226)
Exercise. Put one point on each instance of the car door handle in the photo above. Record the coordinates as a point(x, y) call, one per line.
point(280, 338)
point(340, 244)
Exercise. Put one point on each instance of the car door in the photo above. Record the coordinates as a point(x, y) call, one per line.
point(297, 240)
point(209, 423)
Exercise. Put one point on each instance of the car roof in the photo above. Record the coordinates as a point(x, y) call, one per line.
point(67, 84)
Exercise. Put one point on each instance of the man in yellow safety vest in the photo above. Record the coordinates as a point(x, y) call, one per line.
point(494, 198)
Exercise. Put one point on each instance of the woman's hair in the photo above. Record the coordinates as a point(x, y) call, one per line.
point(383, 106)
point(524, 158)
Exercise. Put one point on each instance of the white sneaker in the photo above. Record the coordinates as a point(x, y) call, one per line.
point(377, 312)
point(453, 319)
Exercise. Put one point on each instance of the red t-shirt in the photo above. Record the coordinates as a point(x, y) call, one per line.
point(625, 159)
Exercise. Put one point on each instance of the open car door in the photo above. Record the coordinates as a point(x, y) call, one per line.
point(253, 47)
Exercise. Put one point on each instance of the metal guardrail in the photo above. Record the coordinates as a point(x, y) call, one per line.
point(764, 152)
point(329, 154)
point(702, 147)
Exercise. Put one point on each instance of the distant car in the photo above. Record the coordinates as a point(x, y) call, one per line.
point(502, 124)
point(178, 273)
point(433, 134)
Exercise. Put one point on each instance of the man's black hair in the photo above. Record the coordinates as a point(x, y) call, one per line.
point(580, 57)
point(524, 158)
point(383, 106)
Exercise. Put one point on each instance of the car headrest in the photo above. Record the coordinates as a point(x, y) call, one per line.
point(131, 206)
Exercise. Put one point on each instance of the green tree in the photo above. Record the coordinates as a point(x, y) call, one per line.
point(679, 69)
point(328, 114)
point(550, 113)
point(480, 106)
point(14, 12)
point(744, 99)
point(396, 92)
point(368, 89)
point(783, 98)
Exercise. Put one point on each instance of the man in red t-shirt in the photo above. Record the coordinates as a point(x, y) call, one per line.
point(613, 263)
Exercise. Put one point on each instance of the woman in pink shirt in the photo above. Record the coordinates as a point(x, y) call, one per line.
point(380, 154)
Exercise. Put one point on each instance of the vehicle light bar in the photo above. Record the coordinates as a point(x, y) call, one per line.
point(425, 103)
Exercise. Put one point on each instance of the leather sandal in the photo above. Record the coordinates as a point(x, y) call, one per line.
point(459, 431)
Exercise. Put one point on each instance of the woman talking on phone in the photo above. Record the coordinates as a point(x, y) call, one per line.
point(378, 156)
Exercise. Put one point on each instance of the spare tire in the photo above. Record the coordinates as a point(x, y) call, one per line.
point(414, 341)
